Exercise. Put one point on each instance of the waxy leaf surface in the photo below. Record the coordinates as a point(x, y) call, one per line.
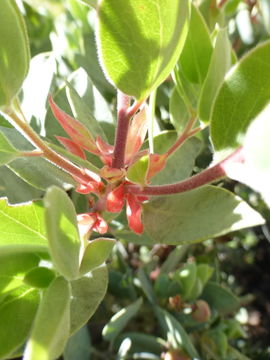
point(140, 41)
point(16, 315)
point(50, 330)
point(87, 293)
point(22, 225)
point(215, 211)
point(14, 55)
point(196, 54)
point(242, 96)
point(62, 231)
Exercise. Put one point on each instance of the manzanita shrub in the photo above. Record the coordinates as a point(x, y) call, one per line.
point(79, 171)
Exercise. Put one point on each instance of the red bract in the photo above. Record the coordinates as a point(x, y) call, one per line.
point(156, 164)
point(91, 221)
point(71, 146)
point(115, 199)
point(134, 213)
point(136, 135)
point(76, 130)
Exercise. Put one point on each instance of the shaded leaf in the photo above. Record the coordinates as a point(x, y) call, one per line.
point(7, 151)
point(78, 346)
point(120, 320)
point(171, 219)
point(50, 330)
point(87, 293)
point(95, 254)
point(62, 232)
point(15, 54)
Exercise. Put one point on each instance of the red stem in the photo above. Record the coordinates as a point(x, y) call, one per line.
point(125, 113)
point(207, 176)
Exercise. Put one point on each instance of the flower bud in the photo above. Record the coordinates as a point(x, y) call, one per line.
point(201, 311)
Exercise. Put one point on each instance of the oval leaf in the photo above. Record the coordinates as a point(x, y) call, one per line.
point(51, 326)
point(62, 231)
point(16, 316)
point(242, 96)
point(140, 41)
point(170, 220)
point(95, 254)
point(7, 151)
point(15, 54)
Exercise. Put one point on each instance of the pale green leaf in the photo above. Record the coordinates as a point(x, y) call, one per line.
point(87, 293)
point(15, 54)
point(179, 115)
point(7, 151)
point(187, 278)
point(137, 172)
point(219, 65)
point(50, 330)
point(265, 11)
point(139, 42)
point(180, 164)
point(62, 232)
point(39, 277)
point(174, 332)
point(17, 313)
point(22, 225)
point(242, 96)
point(78, 346)
point(95, 254)
point(92, 3)
point(120, 320)
point(171, 219)
point(196, 54)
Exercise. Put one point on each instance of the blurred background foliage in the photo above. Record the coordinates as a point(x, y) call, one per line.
point(207, 301)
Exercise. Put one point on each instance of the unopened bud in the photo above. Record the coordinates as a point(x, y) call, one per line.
point(201, 311)
point(176, 355)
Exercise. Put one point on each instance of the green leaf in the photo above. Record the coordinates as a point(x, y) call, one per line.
point(87, 293)
point(7, 151)
point(220, 298)
point(171, 219)
point(92, 3)
point(255, 172)
point(62, 232)
point(219, 65)
point(242, 96)
point(39, 277)
point(95, 254)
point(178, 111)
point(78, 346)
point(16, 316)
point(82, 113)
point(15, 189)
point(137, 172)
point(204, 272)
point(22, 225)
point(50, 330)
point(187, 278)
point(13, 267)
point(15, 54)
point(175, 333)
point(137, 67)
point(146, 286)
point(180, 164)
point(120, 320)
point(196, 54)
point(265, 11)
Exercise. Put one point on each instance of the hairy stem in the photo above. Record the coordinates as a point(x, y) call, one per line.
point(47, 153)
point(207, 176)
point(125, 113)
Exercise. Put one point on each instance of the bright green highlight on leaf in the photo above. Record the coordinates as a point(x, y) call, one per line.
point(171, 219)
point(22, 225)
point(242, 96)
point(17, 312)
point(39, 277)
point(195, 57)
point(14, 54)
point(62, 231)
point(50, 330)
point(140, 41)
point(137, 172)
point(95, 254)
point(219, 65)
